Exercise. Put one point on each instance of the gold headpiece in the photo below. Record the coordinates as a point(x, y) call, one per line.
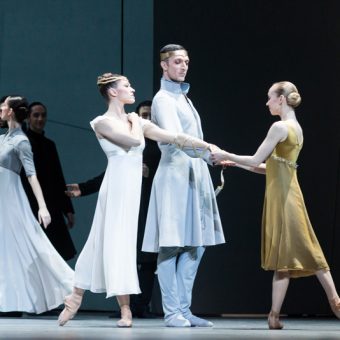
point(108, 78)
point(166, 55)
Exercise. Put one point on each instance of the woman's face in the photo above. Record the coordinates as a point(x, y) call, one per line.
point(124, 92)
point(5, 111)
point(274, 102)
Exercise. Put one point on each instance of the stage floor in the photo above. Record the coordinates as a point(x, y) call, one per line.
point(100, 326)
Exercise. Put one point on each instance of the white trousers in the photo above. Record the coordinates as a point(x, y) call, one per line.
point(176, 269)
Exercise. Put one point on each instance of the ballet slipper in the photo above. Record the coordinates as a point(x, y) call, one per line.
point(126, 317)
point(72, 303)
point(273, 320)
point(335, 305)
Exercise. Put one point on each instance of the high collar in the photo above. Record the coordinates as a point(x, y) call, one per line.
point(33, 134)
point(174, 87)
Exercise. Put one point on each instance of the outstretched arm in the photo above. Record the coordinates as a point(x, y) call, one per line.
point(154, 132)
point(261, 169)
point(85, 188)
point(276, 134)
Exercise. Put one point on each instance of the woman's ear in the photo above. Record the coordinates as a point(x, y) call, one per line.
point(112, 92)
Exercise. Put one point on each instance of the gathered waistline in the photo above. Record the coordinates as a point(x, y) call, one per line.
point(14, 172)
point(284, 160)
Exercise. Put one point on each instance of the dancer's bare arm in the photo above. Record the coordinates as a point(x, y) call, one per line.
point(154, 132)
point(43, 214)
point(117, 132)
point(276, 134)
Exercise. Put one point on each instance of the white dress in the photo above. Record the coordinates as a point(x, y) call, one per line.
point(107, 262)
point(33, 276)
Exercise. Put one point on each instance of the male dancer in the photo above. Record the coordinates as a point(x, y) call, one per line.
point(183, 217)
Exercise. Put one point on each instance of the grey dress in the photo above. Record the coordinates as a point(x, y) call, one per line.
point(33, 276)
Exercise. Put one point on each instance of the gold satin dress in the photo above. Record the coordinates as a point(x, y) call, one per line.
point(288, 239)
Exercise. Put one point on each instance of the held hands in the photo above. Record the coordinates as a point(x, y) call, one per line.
point(44, 217)
point(227, 163)
point(220, 157)
point(73, 190)
point(214, 148)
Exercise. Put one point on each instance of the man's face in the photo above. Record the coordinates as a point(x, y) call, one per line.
point(145, 112)
point(37, 118)
point(175, 68)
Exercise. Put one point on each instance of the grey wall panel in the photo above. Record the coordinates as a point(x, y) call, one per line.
point(53, 51)
point(138, 47)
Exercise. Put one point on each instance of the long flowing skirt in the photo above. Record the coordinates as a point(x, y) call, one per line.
point(33, 276)
point(107, 262)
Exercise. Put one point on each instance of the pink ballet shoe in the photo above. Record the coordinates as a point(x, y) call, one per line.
point(273, 320)
point(335, 305)
point(126, 317)
point(72, 303)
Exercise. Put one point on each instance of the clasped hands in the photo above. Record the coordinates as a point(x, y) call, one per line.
point(220, 157)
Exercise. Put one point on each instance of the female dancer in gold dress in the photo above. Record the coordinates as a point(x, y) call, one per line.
point(289, 245)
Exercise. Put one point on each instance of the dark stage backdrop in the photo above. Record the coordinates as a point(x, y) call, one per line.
point(238, 48)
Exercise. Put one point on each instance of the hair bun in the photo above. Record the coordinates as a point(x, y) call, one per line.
point(294, 99)
point(23, 108)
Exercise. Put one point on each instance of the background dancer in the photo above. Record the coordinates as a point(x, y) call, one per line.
point(33, 276)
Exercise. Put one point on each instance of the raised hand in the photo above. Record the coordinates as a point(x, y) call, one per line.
point(132, 117)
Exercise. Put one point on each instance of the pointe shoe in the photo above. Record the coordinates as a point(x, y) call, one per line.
point(72, 303)
point(273, 320)
point(335, 305)
point(126, 318)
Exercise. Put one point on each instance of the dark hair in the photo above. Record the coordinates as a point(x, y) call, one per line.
point(2, 99)
point(3, 123)
point(144, 103)
point(19, 105)
point(36, 104)
point(107, 81)
point(171, 48)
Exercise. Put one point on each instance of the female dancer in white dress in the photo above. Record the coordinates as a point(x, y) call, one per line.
point(107, 262)
point(33, 276)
